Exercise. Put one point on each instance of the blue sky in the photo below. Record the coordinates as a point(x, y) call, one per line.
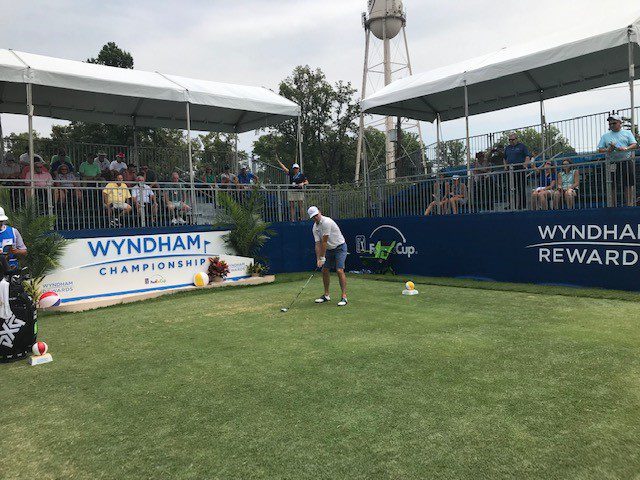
point(259, 42)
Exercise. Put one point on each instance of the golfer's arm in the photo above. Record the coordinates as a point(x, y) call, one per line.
point(321, 247)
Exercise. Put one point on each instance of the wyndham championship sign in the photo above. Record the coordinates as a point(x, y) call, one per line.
point(113, 266)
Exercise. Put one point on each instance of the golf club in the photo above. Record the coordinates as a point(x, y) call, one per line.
point(285, 309)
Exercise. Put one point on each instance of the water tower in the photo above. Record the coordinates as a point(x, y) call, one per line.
point(385, 19)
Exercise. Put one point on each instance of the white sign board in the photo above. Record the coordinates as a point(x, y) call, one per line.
point(102, 267)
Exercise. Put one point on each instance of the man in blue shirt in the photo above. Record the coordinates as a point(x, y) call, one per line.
point(619, 146)
point(245, 177)
point(517, 157)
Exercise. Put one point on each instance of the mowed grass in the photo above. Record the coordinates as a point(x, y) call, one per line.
point(452, 383)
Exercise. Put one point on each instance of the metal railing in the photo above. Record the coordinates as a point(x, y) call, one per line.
point(580, 134)
point(79, 205)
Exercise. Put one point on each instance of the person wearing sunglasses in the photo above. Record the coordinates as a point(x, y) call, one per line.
point(618, 145)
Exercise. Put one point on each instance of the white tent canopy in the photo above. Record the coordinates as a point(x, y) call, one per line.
point(566, 63)
point(73, 90)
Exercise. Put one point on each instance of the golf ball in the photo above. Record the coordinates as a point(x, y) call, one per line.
point(409, 285)
point(284, 309)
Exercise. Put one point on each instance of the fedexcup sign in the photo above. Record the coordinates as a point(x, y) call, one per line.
point(385, 234)
point(590, 244)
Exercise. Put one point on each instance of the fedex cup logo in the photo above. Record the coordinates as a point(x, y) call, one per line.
point(386, 235)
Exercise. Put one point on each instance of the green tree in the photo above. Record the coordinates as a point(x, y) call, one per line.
point(328, 128)
point(408, 162)
point(18, 143)
point(218, 149)
point(451, 153)
point(112, 55)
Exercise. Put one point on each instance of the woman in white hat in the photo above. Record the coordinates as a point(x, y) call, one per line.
point(297, 181)
point(12, 244)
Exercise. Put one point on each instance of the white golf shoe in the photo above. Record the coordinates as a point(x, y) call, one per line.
point(323, 298)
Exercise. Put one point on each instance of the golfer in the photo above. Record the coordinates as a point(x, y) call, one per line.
point(331, 251)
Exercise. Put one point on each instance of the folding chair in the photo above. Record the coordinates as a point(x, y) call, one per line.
point(380, 261)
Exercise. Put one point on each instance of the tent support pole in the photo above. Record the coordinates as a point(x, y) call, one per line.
point(1, 140)
point(439, 162)
point(192, 184)
point(543, 128)
point(300, 139)
point(438, 146)
point(466, 126)
point(31, 150)
point(468, 147)
point(136, 158)
point(631, 79)
point(236, 161)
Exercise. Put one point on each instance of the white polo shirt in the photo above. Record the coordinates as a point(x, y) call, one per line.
point(328, 227)
point(142, 193)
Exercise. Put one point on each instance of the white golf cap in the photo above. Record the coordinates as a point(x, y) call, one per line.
point(295, 165)
point(313, 211)
point(3, 217)
point(616, 118)
point(456, 177)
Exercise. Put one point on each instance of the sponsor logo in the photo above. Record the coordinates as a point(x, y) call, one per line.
point(146, 246)
point(589, 244)
point(8, 331)
point(155, 280)
point(386, 234)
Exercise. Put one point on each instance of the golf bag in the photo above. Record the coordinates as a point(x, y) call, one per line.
point(18, 332)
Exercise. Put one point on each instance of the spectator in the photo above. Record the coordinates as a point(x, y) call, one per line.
point(496, 155)
point(41, 176)
point(568, 183)
point(144, 199)
point(441, 198)
point(118, 165)
point(297, 182)
point(480, 178)
point(175, 197)
point(61, 158)
point(90, 169)
point(9, 168)
point(26, 169)
point(227, 178)
point(546, 180)
point(618, 145)
point(130, 175)
point(150, 176)
point(457, 194)
point(105, 165)
point(66, 185)
point(245, 177)
point(208, 176)
point(115, 195)
point(517, 158)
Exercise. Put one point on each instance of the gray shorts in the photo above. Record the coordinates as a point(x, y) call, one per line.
point(336, 257)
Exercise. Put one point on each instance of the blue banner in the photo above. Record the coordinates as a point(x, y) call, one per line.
point(591, 248)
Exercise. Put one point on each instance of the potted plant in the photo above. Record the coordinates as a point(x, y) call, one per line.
point(248, 232)
point(218, 269)
point(257, 269)
point(44, 245)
